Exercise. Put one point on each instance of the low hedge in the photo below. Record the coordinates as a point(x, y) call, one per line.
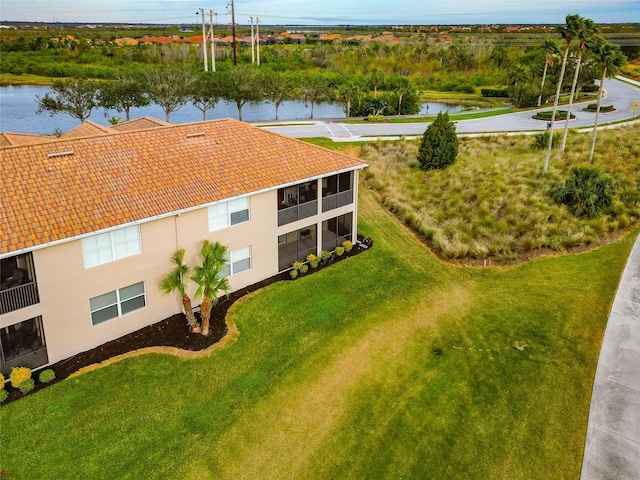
point(494, 92)
point(590, 88)
point(603, 108)
point(560, 115)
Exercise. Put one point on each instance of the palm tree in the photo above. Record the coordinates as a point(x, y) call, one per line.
point(348, 91)
point(175, 280)
point(568, 31)
point(207, 276)
point(550, 50)
point(588, 36)
point(611, 58)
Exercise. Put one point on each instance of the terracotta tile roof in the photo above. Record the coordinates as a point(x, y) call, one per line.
point(141, 123)
point(86, 129)
point(68, 187)
point(8, 139)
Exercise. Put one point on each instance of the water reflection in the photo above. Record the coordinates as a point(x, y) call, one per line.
point(18, 112)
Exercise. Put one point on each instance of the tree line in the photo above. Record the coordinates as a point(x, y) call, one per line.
point(172, 86)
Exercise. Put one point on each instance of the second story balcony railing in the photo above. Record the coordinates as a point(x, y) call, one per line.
point(337, 200)
point(15, 298)
point(297, 212)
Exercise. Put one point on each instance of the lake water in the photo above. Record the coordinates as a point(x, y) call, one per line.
point(18, 112)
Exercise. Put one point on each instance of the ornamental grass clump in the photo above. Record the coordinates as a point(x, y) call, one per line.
point(339, 251)
point(347, 245)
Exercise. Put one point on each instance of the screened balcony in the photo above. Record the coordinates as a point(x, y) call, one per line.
point(337, 191)
point(18, 287)
point(297, 202)
point(22, 345)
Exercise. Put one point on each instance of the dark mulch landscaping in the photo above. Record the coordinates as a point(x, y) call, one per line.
point(170, 332)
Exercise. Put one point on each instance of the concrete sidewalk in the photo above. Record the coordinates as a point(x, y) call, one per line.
point(612, 449)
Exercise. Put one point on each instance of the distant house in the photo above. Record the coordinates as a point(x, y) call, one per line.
point(90, 221)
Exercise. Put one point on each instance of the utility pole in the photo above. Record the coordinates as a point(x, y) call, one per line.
point(258, 39)
point(233, 31)
point(253, 57)
point(204, 39)
point(213, 42)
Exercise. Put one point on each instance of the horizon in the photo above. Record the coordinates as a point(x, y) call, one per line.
point(328, 13)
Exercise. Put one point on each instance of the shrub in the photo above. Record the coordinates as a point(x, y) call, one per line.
point(19, 375)
point(560, 115)
point(494, 92)
point(3, 395)
point(304, 268)
point(324, 255)
point(297, 265)
point(439, 146)
point(375, 118)
point(26, 386)
point(590, 88)
point(347, 245)
point(46, 376)
point(593, 107)
point(313, 260)
point(339, 251)
point(541, 140)
point(523, 96)
point(293, 274)
point(586, 191)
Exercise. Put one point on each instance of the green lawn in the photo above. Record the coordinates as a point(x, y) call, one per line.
point(337, 375)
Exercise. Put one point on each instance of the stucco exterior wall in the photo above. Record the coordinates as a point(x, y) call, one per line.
point(66, 286)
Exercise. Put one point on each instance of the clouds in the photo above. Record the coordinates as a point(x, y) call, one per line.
point(308, 12)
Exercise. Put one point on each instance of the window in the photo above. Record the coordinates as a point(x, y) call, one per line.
point(106, 247)
point(225, 214)
point(117, 303)
point(237, 261)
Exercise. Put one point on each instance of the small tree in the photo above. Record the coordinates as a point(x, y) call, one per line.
point(439, 146)
point(175, 280)
point(74, 97)
point(586, 191)
point(123, 93)
point(208, 277)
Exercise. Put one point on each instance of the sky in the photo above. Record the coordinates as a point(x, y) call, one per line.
point(325, 12)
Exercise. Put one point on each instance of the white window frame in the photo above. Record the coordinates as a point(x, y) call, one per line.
point(220, 215)
point(107, 247)
point(118, 303)
point(233, 260)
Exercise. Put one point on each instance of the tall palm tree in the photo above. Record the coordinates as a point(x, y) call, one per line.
point(207, 276)
point(568, 31)
point(588, 37)
point(611, 58)
point(175, 280)
point(550, 50)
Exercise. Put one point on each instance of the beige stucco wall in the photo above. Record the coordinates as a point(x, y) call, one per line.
point(66, 286)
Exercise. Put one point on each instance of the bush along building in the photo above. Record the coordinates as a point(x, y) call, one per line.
point(90, 220)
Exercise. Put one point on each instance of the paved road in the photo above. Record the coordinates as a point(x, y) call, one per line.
point(619, 94)
point(612, 449)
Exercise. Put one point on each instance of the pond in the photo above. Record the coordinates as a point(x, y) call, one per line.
point(18, 112)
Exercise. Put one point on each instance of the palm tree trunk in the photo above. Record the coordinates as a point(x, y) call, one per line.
point(312, 104)
point(555, 108)
point(188, 312)
point(595, 125)
point(277, 104)
point(544, 76)
point(126, 112)
point(348, 107)
point(239, 105)
point(205, 311)
point(573, 89)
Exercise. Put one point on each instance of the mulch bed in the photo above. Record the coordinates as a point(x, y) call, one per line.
point(170, 332)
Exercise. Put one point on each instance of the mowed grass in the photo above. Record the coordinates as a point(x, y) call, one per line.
point(495, 203)
point(388, 365)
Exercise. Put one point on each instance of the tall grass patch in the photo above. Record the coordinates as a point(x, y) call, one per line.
point(495, 202)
